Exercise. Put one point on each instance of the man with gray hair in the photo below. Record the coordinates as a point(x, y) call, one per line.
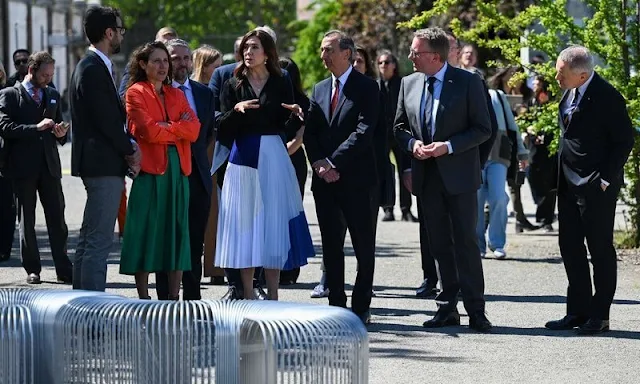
point(595, 142)
point(200, 99)
point(339, 141)
point(441, 120)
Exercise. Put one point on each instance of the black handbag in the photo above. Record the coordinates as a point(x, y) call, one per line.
point(514, 175)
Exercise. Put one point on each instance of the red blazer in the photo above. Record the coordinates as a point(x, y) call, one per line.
point(145, 111)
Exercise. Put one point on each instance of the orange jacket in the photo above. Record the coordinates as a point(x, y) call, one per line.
point(145, 111)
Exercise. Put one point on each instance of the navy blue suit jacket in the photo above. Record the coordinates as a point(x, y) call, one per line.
point(203, 98)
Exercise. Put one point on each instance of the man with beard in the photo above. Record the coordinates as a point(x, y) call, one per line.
point(102, 150)
point(20, 58)
point(31, 123)
point(200, 99)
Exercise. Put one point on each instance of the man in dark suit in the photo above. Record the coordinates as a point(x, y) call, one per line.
point(31, 124)
point(7, 202)
point(200, 99)
point(442, 119)
point(596, 139)
point(338, 139)
point(102, 150)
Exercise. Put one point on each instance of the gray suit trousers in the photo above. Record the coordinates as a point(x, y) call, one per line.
point(96, 232)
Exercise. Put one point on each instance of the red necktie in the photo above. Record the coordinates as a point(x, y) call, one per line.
point(36, 96)
point(336, 96)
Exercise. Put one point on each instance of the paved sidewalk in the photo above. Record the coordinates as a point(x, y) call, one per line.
point(523, 292)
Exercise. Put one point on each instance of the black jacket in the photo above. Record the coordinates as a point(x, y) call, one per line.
point(346, 139)
point(100, 142)
point(599, 137)
point(27, 149)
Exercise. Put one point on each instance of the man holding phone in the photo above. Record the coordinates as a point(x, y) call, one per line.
point(31, 125)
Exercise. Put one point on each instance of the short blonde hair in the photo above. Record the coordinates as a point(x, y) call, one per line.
point(203, 56)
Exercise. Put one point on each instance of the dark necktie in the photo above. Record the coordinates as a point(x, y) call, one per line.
point(572, 108)
point(428, 108)
point(334, 99)
point(36, 96)
point(183, 89)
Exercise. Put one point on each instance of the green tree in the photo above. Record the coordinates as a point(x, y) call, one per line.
point(307, 53)
point(612, 33)
point(199, 21)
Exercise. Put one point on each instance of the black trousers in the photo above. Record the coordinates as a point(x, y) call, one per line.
point(339, 208)
point(587, 212)
point(546, 208)
point(7, 216)
point(199, 207)
point(49, 189)
point(451, 230)
point(429, 270)
point(401, 159)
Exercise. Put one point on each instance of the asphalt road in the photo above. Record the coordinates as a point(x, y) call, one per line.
point(523, 292)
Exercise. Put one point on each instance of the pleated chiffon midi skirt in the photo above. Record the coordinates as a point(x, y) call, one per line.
point(261, 218)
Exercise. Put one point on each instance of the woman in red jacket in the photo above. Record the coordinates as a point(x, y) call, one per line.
point(156, 235)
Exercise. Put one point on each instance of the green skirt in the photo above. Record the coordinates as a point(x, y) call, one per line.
point(156, 232)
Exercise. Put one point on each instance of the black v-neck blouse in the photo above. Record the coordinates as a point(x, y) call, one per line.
point(270, 119)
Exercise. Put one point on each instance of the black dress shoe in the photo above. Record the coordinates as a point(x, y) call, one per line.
point(443, 318)
point(232, 294)
point(593, 327)
point(217, 280)
point(408, 216)
point(479, 322)
point(548, 228)
point(33, 278)
point(525, 226)
point(259, 293)
point(388, 215)
point(566, 323)
point(365, 318)
point(64, 279)
point(427, 289)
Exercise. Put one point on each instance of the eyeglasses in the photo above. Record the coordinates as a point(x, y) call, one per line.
point(122, 30)
point(386, 62)
point(413, 53)
point(21, 61)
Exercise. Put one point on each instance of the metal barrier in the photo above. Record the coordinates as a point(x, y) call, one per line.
point(44, 305)
point(298, 343)
point(99, 338)
point(16, 345)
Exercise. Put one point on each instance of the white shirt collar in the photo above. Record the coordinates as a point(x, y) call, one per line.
point(583, 88)
point(187, 84)
point(343, 78)
point(104, 58)
point(440, 74)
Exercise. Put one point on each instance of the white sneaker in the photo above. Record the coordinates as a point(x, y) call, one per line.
point(499, 253)
point(319, 291)
point(483, 254)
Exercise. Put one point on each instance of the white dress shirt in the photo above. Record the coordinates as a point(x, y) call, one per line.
point(188, 92)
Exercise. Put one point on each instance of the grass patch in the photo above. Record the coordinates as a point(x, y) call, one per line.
point(624, 240)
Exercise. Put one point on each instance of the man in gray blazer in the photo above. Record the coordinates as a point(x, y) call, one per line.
point(442, 118)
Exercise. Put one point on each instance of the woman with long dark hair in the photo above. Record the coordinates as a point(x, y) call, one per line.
point(156, 233)
point(261, 221)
